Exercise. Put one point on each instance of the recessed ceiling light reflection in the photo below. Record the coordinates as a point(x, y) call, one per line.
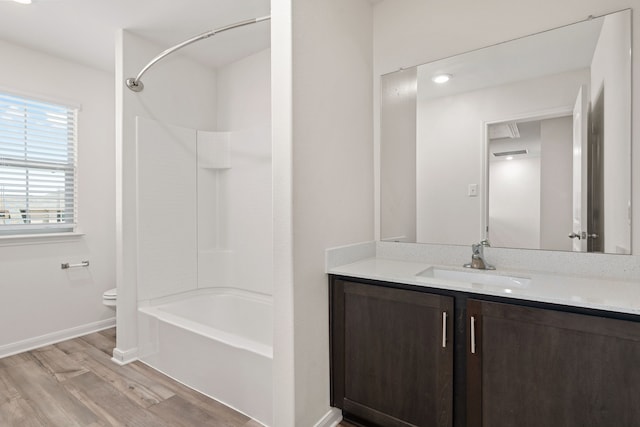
point(509, 158)
point(442, 78)
point(23, 1)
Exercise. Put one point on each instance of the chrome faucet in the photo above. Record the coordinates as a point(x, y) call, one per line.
point(477, 257)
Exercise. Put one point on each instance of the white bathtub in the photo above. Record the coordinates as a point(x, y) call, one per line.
point(216, 341)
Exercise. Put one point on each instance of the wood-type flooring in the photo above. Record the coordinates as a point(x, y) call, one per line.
point(75, 383)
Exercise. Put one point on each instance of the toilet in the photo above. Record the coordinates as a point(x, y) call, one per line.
point(109, 297)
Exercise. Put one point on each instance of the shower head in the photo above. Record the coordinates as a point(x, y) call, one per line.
point(136, 85)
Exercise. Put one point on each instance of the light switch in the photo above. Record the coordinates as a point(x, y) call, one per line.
point(473, 190)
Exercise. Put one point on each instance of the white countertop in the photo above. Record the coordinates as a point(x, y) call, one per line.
point(602, 294)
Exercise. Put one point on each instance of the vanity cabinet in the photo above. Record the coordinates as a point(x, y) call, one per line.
point(392, 355)
point(395, 349)
point(536, 367)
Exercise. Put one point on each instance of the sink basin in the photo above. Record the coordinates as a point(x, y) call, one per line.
point(480, 277)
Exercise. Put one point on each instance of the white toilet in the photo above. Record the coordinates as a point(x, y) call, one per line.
point(109, 297)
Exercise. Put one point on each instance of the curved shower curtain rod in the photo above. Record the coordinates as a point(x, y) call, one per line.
point(136, 85)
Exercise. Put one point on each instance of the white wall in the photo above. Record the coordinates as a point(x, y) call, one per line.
point(326, 198)
point(245, 198)
point(402, 31)
point(514, 220)
point(166, 99)
point(610, 71)
point(38, 298)
point(450, 132)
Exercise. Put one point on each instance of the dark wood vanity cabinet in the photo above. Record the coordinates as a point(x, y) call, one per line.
point(537, 367)
point(394, 352)
point(392, 355)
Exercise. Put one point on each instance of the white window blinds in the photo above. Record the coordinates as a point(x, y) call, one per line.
point(37, 166)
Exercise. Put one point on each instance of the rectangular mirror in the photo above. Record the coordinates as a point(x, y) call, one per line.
point(526, 143)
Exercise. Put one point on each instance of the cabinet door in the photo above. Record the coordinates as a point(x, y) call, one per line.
point(392, 355)
point(536, 367)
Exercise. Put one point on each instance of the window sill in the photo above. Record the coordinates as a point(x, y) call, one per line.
point(39, 239)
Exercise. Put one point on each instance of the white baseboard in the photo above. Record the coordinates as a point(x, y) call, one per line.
point(330, 419)
point(122, 357)
point(55, 337)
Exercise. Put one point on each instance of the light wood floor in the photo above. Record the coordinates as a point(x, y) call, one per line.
point(75, 383)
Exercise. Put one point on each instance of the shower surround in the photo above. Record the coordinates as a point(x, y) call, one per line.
point(195, 226)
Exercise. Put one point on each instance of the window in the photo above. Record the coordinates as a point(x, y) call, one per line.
point(37, 166)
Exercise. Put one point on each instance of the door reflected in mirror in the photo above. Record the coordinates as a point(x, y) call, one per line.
point(527, 143)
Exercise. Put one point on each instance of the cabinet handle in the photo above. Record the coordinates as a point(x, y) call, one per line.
point(444, 329)
point(473, 335)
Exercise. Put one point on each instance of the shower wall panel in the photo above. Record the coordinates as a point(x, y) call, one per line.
point(245, 214)
point(215, 257)
point(165, 99)
point(167, 221)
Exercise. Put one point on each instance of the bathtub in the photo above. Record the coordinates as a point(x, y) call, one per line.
point(216, 341)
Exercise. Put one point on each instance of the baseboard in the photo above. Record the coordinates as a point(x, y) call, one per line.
point(330, 419)
point(55, 337)
point(122, 357)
